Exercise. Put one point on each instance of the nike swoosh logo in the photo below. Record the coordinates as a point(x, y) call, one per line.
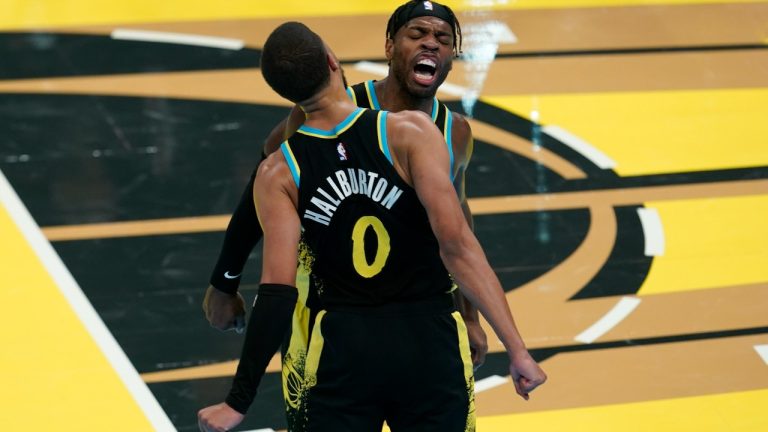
point(229, 276)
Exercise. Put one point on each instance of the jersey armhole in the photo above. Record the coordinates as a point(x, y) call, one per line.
point(449, 139)
point(372, 95)
point(290, 159)
point(381, 131)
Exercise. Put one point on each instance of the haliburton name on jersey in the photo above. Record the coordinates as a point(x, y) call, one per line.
point(353, 181)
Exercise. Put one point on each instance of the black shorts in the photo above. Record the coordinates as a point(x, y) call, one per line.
point(406, 364)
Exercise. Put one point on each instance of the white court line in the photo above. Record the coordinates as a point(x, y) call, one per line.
point(762, 351)
point(372, 68)
point(452, 89)
point(490, 382)
point(623, 308)
point(178, 38)
point(653, 231)
point(382, 70)
point(586, 149)
point(82, 307)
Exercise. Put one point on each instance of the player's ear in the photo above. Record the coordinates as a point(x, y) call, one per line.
point(389, 46)
point(333, 62)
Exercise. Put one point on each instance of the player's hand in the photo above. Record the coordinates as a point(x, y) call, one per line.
point(218, 418)
point(478, 342)
point(526, 374)
point(224, 311)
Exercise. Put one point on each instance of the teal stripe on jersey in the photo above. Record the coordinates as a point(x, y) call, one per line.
point(382, 129)
point(341, 127)
point(291, 161)
point(449, 137)
point(372, 94)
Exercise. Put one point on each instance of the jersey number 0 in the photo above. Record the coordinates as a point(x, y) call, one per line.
point(359, 260)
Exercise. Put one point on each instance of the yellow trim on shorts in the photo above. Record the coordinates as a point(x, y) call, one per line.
point(313, 354)
point(469, 375)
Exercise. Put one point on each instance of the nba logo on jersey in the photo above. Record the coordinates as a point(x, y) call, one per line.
point(342, 151)
point(428, 5)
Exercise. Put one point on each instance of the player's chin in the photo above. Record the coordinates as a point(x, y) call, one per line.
point(422, 91)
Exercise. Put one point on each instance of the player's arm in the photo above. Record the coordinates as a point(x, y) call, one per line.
point(421, 158)
point(270, 320)
point(224, 307)
point(463, 146)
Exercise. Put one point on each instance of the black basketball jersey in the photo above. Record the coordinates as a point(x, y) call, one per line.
point(367, 238)
point(364, 96)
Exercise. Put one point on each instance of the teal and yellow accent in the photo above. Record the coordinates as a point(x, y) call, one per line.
point(351, 94)
point(290, 159)
point(448, 132)
point(359, 260)
point(469, 375)
point(381, 132)
point(336, 131)
point(373, 101)
point(435, 109)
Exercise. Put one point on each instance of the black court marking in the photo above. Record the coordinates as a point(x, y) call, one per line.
point(80, 159)
point(627, 267)
point(498, 363)
point(633, 51)
point(148, 291)
point(182, 399)
point(494, 171)
point(49, 55)
point(665, 179)
point(524, 246)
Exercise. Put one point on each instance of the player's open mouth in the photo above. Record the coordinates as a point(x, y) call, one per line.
point(425, 71)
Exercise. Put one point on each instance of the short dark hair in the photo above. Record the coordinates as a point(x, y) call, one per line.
point(293, 62)
point(418, 8)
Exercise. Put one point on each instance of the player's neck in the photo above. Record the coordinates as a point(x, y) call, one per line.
point(327, 109)
point(394, 97)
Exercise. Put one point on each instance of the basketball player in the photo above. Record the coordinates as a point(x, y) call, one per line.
point(422, 39)
point(379, 179)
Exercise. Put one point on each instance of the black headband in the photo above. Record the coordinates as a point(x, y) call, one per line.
point(419, 9)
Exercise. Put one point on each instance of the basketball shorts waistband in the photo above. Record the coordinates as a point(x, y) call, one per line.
point(443, 303)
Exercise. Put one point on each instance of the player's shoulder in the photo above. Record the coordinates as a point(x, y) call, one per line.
point(409, 118)
point(273, 166)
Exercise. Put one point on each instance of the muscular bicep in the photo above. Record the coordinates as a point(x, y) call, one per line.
point(433, 186)
point(463, 148)
point(278, 217)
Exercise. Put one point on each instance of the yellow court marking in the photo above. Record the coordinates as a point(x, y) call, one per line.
point(663, 131)
point(53, 375)
point(710, 243)
point(743, 412)
point(20, 14)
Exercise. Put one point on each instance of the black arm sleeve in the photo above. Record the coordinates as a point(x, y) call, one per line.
point(243, 232)
point(267, 327)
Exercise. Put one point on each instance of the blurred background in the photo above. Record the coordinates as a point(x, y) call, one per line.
point(619, 185)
